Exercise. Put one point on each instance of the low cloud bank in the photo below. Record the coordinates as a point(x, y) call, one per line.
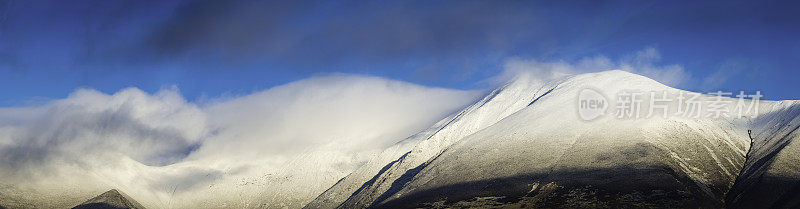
point(159, 146)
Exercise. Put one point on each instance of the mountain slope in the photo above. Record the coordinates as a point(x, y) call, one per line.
point(544, 154)
point(371, 179)
point(110, 199)
point(771, 176)
point(674, 162)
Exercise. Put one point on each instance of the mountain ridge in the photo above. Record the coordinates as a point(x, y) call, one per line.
point(704, 169)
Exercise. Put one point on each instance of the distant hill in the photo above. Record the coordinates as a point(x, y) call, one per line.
point(112, 199)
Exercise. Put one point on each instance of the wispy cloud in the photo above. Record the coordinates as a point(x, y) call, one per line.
point(644, 62)
point(722, 74)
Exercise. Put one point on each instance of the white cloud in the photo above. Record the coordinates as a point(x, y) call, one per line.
point(644, 62)
point(340, 109)
point(163, 150)
point(724, 71)
point(153, 129)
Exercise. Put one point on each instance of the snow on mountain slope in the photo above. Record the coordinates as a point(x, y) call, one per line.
point(674, 161)
point(543, 153)
point(371, 180)
point(771, 176)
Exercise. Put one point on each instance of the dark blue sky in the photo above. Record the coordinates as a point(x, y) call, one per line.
point(212, 48)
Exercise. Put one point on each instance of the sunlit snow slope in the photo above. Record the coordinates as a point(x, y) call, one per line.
point(524, 144)
point(375, 178)
point(771, 176)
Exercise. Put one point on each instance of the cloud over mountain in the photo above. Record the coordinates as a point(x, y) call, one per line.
point(89, 135)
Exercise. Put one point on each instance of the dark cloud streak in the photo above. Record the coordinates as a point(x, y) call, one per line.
point(324, 33)
point(199, 44)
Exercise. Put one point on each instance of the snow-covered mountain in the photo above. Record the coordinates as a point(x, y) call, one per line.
point(525, 144)
point(529, 143)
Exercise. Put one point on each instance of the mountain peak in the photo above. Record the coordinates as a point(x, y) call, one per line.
point(112, 199)
point(614, 79)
